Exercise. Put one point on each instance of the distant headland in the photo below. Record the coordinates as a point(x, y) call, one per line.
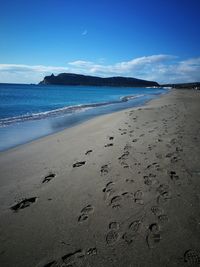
point(77, 79)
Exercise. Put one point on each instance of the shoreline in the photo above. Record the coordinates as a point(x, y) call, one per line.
point(34, 129)
point(121, 189)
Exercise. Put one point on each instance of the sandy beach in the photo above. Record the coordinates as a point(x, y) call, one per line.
point(120, 190)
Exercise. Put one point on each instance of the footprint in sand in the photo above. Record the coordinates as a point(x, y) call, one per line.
point(124, 156)
point(104, 169)
point(76, 258)
point(129, 181)
point(175, 159)
point(73, 258)
point(124, 164)
point(52, 264)
point(108, 189)
point(163, 219)
point(112, 237)
point(114, 225)
point(153, 236)
point(24, 204)
point(156, 210)
point(138, 197)
point(174, 177)
point(164, 197)
point(132, 231)
point(115, 201)
point(127, 147)
point(155, 165)
point(88, 152)
point(79, 164)
point(109, 145)
point(48, 178)
point(128, 195)
point(147, 180)
point(150, 179)
point(85, 213)
point(192, 257)
point(163, 188)
point(169, 155)
point(134, 140)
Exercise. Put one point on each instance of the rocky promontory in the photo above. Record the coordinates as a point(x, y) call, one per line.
point(77, 79)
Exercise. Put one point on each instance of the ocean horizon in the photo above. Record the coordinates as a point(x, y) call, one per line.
point(29, 111)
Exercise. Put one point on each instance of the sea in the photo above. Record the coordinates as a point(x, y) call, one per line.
point(28, 112)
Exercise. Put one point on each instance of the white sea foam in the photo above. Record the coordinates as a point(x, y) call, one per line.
point(62, 111)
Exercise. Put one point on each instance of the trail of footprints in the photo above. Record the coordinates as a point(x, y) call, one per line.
point(114, 234)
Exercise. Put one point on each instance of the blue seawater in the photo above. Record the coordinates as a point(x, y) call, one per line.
point(28, 112)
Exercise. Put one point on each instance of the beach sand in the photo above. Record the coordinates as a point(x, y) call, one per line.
point(119, 190)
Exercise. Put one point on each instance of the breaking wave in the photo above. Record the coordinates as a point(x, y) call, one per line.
point(62, 111)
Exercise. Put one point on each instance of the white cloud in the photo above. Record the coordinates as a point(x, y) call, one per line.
point(16, 73)
point(160, 68)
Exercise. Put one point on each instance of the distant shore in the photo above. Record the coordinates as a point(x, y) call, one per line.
point(118, 190)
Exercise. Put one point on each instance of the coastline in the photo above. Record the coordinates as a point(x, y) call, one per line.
point(28, 127)
point(121, 189)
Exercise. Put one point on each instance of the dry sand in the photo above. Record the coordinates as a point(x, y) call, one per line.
point(119, 190)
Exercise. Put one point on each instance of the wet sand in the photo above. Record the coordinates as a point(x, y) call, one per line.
point(119, 190)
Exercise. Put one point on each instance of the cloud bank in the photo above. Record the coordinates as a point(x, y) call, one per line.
point(160, 68)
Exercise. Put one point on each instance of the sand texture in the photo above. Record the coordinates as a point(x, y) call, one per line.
point(119, 190)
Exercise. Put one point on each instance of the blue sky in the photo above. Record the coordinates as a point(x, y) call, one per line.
point(148, 39)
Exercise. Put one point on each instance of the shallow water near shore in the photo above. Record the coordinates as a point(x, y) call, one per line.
point(29, 112)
